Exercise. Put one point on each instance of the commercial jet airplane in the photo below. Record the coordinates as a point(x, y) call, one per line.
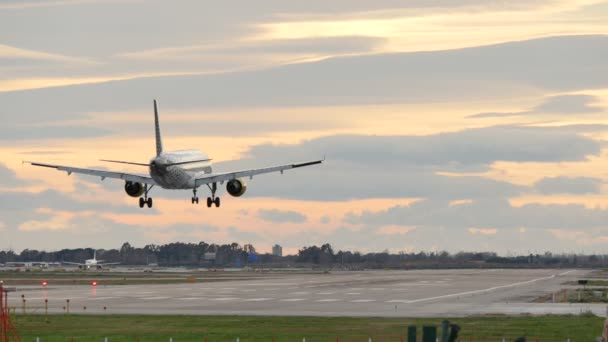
point(183, 170)
point(91, 263)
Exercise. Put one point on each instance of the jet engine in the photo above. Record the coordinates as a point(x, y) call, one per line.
point(236, 187)
point(134, 189)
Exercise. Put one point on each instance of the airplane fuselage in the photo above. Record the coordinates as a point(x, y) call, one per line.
point(179, 176)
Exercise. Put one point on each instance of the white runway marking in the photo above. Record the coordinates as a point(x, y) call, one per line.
point(482, 290)
point(353, 293)
point(299, 293)
point(224, 298)
point(257, 299)
point(327, 300)
point(102, 298)
point(191, 298)
point(326, 293)
point(249, 290)
point(397, 301)
point(363, 301)
point(153, 298)
point(292, 300)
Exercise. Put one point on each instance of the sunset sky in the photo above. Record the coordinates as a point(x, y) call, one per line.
point(447, 125)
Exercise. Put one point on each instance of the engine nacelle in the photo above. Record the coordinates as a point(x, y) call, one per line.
point(134, 189)
point(236, 187)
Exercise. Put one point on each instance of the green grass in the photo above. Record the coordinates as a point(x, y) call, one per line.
point(152, 328)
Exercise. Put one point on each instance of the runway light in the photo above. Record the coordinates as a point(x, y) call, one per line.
point(44, 283)
point(94, 283)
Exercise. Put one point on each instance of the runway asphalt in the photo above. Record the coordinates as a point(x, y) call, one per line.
point(426, 293)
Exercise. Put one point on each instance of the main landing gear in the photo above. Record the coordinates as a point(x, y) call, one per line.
point(210, 200)
point(143, 201)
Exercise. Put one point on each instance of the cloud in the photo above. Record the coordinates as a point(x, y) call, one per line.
point(568, 185)
point(410, 166)
point(561, 105)
point(15, 134)
point(487, 213)
point(454, 75)
point(9, 178)
point(281, 216)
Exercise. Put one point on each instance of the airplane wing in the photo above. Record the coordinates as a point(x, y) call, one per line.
point(72, 263)
point(99, 173)
point(222, 177)
point(108, 263)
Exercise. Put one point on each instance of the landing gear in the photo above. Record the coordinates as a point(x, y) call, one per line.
point(213, 200)
point(194, 197)
point(210, 200)
point(143, 201)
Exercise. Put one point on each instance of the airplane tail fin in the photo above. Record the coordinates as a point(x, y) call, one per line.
point(159, 142)
point(94, 254)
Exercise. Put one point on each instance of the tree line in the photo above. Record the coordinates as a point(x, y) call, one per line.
point(235, 255)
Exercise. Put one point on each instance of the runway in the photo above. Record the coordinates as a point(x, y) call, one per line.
point(431, 293)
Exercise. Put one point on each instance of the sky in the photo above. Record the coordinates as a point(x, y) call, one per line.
point(458, 125)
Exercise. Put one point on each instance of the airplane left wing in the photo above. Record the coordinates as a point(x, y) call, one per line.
point(222, 177)
point(98, 173)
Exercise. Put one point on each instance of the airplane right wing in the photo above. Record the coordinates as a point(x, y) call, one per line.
point(222, 177)
point(99, 173)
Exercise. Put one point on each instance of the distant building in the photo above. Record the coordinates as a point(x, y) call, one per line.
point(210, 256)
point(277, 250)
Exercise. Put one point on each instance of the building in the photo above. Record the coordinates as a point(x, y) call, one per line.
point(277, 250)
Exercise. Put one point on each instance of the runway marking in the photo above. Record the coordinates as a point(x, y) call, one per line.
point(377, 289)
point(299, 293)
point(153, 298)
point(101, 298)
point(482, 290)
point(270, 289)
point(191, 298)
point(292, 300)
point(397, 301)
point(561, 274)
point(224, 298)
point(362, 300)
point(249, 290)
point(327, 300)
point(257, 299)
point(353, 293)
point(326, 293)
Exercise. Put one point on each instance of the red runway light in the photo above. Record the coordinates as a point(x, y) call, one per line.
point(44, 283)
point(94, 283)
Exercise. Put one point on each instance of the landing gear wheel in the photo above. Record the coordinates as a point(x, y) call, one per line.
point(209, 202)
point(141, 202)
point(149, 202)
point(217, 202)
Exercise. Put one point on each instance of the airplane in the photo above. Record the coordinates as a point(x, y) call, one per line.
point(91, 263)
point(177, 170)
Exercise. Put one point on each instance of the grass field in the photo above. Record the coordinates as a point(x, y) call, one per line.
point(153, 328)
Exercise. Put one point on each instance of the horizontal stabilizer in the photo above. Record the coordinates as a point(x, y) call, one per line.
point(188, 162)
point(124, 162)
